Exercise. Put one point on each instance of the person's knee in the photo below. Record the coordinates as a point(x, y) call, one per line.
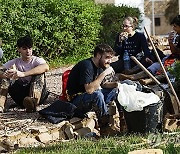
point(37, 85)
point(98, 95)
point(38, 78)
point(4, 84)
point(99, 102)
point(118, 66)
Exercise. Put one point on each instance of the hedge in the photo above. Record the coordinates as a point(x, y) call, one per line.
point(59, 28)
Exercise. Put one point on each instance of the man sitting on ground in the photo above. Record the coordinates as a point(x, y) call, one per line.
point(85, 89)
point(23, 77)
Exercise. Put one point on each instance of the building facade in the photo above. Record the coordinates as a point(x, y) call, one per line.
point(161, 25)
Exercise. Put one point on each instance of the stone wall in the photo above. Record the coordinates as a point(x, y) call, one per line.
point(105, 1)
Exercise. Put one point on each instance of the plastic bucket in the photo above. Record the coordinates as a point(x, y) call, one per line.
point(147, 120)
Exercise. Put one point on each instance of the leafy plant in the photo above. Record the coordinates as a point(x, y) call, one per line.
point(59, 28)
point(62, 30)
point(176, 71)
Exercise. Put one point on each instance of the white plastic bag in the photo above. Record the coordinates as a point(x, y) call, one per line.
point(133, 100)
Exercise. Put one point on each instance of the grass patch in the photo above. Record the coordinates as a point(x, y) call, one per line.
point(108, 145)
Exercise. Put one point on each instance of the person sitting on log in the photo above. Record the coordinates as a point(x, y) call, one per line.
point(86, 91)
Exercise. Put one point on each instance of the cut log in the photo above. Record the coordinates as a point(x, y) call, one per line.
point(147, 151)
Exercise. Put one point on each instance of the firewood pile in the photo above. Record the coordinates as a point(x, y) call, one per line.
point(161, 43)
point(20, 129)
point(172, 122)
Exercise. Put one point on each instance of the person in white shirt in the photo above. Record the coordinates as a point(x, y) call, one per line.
point(23, 77)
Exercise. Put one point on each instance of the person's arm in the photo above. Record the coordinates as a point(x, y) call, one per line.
point(144, 46)
point(145, 49)
point(91, 87)
point(110, 85)
point(2, 72)
point(173, 47)
point(37, 70)
point(117, 46)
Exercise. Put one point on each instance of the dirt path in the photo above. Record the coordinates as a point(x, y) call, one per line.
point(16, 119)
point(54, 77)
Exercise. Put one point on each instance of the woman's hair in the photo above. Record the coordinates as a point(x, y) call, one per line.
point(133, 21)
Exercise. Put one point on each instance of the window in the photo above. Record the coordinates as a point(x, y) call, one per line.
point(157, 22)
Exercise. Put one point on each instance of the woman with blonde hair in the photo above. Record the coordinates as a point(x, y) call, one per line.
point(132, 42)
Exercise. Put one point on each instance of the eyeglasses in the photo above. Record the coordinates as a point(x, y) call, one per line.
point(126, 26)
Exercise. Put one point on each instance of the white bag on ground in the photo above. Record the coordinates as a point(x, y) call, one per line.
point(133, 100)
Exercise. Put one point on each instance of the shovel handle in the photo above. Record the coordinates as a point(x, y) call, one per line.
point(165, 73)
point(145, 70)
point(175, 104)
point(148, 73)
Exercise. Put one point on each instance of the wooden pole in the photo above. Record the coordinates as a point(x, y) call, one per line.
point(174, 103)
point(164, 71)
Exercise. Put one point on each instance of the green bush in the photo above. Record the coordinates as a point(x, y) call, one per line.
point(176, 71)
point(58, 27)
point(61, 30)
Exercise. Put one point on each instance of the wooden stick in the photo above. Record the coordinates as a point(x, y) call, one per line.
point(174, 104)
point(164, 71)
point(16, 121)
point(144, 69)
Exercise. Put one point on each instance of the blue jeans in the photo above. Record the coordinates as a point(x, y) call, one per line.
point(97, 101)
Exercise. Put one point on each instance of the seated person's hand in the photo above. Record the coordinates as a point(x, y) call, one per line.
point(123, 36)
point(18, 74)
point(108, 70)
point(14, 74)
point(10, 73)
point(171, 36)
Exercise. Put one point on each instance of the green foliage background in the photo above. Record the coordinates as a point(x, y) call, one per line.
point(61, 30)
point(175, 71)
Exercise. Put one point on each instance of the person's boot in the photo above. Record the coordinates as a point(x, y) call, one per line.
point(160, 78)
point(3, 94)
point(103, 121)
point(133, 77)
point(37, 87)
point(107, 129)
point(2, 102)
point(110, 131)
point(30, 104)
